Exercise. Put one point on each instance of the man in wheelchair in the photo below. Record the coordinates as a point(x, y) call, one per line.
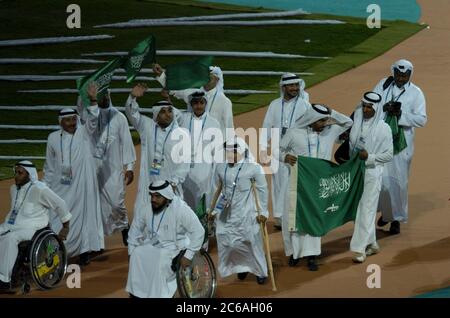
point(31, 201)
point(157, 234)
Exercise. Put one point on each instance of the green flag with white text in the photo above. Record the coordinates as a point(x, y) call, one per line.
point(326, 194)
point(191, 74)
point(143, 53)
point(102, 77)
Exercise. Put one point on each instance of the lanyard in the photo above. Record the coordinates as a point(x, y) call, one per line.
point(24, 197)
point(164, 144)
point(317, 148)
point(153, 220)
point(70, 150)
point(292, 112)
point(392, 93)
point(235, 180)
point(201, 132)
point(212, 103)
point(107, 129)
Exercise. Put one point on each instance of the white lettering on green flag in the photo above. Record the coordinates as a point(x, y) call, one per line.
point(102, 77)
point(143, 53)
point(327, 194)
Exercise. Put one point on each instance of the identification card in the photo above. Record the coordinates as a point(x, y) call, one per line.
point(12, 217)
point(66, 175)
point(222, 204)
point(155, 168)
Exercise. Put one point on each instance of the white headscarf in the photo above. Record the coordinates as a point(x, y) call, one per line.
point(196, 94)
point(66, 112)
point(162, 187)
point(217, 72)
point(30, 168)
point(291, 78)
point(314, 112)
point(403, 66)
point(238, 143)
point(160, 105)
point(358, 119)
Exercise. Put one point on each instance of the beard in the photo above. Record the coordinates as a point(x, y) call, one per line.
point(159, 209)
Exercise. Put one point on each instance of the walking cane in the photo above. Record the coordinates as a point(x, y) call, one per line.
point(213, 203)
point(265, 237)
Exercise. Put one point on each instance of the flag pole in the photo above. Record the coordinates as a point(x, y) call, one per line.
point(265, 237)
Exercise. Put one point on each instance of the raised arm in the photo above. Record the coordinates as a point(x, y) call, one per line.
point(132, 107)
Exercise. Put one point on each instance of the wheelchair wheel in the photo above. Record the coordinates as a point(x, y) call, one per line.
point(48, 260)
point(199, 280)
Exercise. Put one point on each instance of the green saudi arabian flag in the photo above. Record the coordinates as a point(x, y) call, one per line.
point(200, 211)
point(191, 74)
point(102, 77)
point(143, 53)
point(398, 134)
point(324, 195)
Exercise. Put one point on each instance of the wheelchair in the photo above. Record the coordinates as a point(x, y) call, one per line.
point(42, 260)
point(199, 280)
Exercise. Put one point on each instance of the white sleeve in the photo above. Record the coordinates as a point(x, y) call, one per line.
point(416, 114)
point(92, 119)
point(50, 164)
point(262, 191)
point(386, 149)
point(343, 123)
point(133, 114)
point(194, 231)
point(52, 201)
point(128, 152)
point(267, 125)
point(136, 232)
point(228, 114)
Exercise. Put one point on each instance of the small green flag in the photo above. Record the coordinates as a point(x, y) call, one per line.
point(398, 134)
point(200, 211)
point(326, 195)
point(102, 77)
point(143, 53)
point(192, 74)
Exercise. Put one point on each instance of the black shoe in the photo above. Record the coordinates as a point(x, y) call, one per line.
point(125, 236)
point(312, 264)
point(132, 296)
point(4, 286)
point(380, 222)
point(260, 280)
point(85, 259)
point(395, 228)
point(293, 261)
point(242, 276)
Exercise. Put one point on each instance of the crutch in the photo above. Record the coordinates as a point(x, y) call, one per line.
point(265, 237)
point(213, 203)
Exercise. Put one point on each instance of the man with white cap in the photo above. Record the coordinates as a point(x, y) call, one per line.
point(70, 171)
point(205, 132)
point(31, 201)
point(371, 137)
point(313, 135)
point(219, 105)
point(406, 103)
point(160, 137)
point(115, 156)
point(157, 235)
point(281, 114)
point(239, 241)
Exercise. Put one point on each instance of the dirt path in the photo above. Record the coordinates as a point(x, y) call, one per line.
point(414, 262)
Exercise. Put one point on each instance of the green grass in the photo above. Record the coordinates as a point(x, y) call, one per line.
point(349, 45)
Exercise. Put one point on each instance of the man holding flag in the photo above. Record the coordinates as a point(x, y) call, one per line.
point(211, 83)
point(205, 132)
point(371, 139)
point(313, 135)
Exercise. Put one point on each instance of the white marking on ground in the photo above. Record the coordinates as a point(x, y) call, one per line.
point(143, 109)
point(214, 53)
point(217, 17)
point(39, 78)
point(48, 61)
point(21, 157)
point(23, 141)
point(54, 40)
point(151, 90)
point(149, 23)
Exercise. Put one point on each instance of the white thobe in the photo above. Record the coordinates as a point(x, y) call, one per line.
point(219, 106)
point(306, 142)
point(174, 229)
point(393, 201)
point(280, 114)
point(239, 240)
point(161, 144)
point(114, 150)
point(32, 203)
point(73, 151)
point(377, 141)
point(205, 132)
